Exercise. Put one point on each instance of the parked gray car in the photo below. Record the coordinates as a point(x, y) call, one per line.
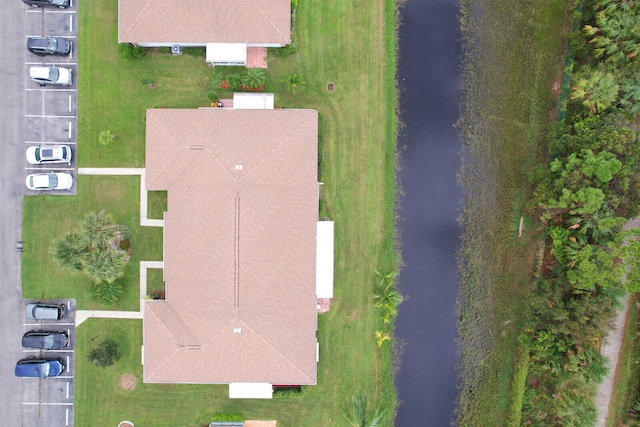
point(42, 311)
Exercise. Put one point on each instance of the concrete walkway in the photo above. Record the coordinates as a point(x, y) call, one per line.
point(82, 315)
point(144, 221)
point(611, 349)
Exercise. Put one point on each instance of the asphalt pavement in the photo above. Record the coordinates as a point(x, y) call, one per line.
point(12, 87)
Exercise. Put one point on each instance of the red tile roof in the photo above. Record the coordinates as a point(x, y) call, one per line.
point(239, 246)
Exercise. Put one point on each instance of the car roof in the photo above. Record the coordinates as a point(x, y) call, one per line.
point(39, 72)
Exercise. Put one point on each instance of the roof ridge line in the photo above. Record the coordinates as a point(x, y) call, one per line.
point(266, 18)
point(146, 5)
point(276, 350)
point(275, 148)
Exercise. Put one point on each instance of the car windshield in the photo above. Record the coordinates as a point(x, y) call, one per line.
point(53, 74)
point(45, 369)
point(49, 341)
point(52, 44)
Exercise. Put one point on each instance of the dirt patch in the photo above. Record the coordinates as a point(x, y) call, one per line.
point(331, 87)
point(556, 89)
point(353, 316)
point(127, 382)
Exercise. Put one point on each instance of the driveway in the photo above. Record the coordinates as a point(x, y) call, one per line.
point(11, 190)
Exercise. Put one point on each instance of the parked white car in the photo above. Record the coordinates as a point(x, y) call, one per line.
point(50, 75)
point(43, 154)
point(49, 181)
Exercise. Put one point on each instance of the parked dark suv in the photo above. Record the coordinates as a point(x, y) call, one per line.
point(46, 340)
point(58, 3)
point(49, 46)
point(34, 367)
point(41, 311)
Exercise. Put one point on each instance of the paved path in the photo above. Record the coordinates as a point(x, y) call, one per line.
point(143, 192)
point(611, 349)
point(12, 188)
point(83, 315)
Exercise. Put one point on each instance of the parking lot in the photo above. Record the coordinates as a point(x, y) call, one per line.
point(49, 401)
point(50, 111)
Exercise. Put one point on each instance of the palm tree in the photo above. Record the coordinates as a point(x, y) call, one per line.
point(294, 80)
point(598, 228)
point(616, 34)
point(596, 89)
point(105, 266)
point(255, 78)
point(69, 252)
point(356, 412)
point(97, 230)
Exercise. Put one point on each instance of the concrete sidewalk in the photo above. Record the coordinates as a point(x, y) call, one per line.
point(611, 350)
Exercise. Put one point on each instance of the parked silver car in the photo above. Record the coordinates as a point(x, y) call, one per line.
point(49, 181)
point(43, 311)
point(50, 75)
point(40, 154)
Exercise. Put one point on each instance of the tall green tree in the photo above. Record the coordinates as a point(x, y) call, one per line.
point(596, 89)
point(617, 31)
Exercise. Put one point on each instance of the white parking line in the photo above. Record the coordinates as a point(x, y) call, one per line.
point(51, 142)
point(71, 51)
point(71, 23)
point(48, 324)
point(67, 422)
point(52, 90)
point(49, 403)
point(46, 115)
point(69, 103)
point(70, 127)
point(52, 35)
point(35, 350)
point(64, 377)
point(67, 389)
point(68, 364)
point(51, 63)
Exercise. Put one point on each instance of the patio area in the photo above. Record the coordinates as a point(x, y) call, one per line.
point(256, 57)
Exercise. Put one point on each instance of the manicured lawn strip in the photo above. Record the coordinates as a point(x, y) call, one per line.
point(114, 94)
point(155, 280)
point(513, 54)
point(48, 217)
point(627, 379)
point(347, 44)
point(156, 204)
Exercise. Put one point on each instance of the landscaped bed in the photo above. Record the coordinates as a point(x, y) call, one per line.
point(48, 217)
point(351, 47)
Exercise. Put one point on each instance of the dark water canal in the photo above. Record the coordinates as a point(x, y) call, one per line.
point(429, 76)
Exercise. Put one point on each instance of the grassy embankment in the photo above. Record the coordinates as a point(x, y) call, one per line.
point(513, 55)
point(627, 376)
point(351, 44)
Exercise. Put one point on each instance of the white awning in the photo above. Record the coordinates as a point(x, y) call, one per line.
point(324, 259)
point(250, 391)
point(252, 101)
point(227, 53)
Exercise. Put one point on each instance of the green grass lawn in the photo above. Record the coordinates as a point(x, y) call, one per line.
point(627, 375)
point(48, 217)
point(350, 44)
point(156, 204)
point(514, 54)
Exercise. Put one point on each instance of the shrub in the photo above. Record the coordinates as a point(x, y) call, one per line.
point(106, 137)
point(105, 354)
point(255, 78)
point(517, 389)
point(139, 52)
point(125, 50)
point(289, 392)
point(146, 80)
point(223, 416)
point(212, 96)
point(234, 80)
point(283, 52)
point(105, 294)
point(217, 77)
point(294, 80)
point(194, 51)
point(164, 50)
